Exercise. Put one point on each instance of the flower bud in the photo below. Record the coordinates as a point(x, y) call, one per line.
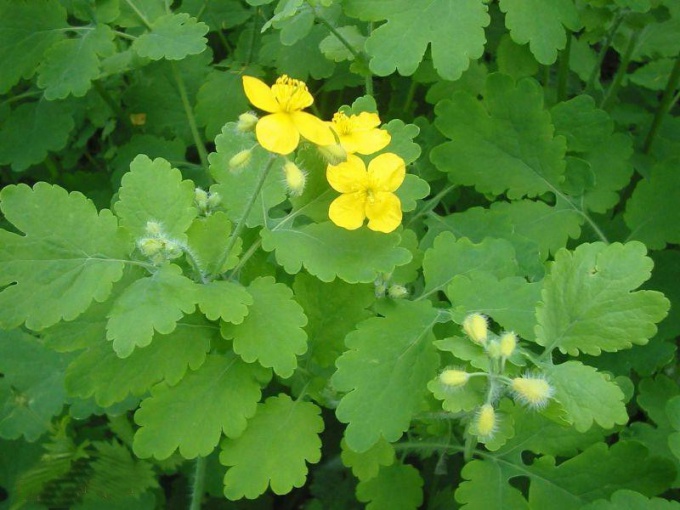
point(201, 198)
point(397, 291)
point(295, 178)
point(508, 342)
point(486, 421)
point(453, 377)
point(150, 246)
point(246, 122)
point(493, 349)
point(173, 250)
point(214, 199)
point(534, 391)
point(334, 154)
point(153, 228)
point(239, 160)
point(475, 327)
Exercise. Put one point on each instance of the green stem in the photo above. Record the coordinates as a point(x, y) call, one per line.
point(603, 52)
point(198, 486)
point(409, 96)
point(620, 73)
point(667, 101)
point(242, 221)
point(188, 110)
point(251, 44)
point(139, 14)
point(340, 37)
point(431, 204)
point(23, 95)
point(563, 71)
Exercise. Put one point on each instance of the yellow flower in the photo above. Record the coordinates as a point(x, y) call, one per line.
point(367, 193)
point(280, 131)
point(360, 133)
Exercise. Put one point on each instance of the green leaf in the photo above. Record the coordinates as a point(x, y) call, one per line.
point(154, 191)
point(651, 213)
point(27, 29)
point(589, 304)
point(32, 131)
point(450, 257)
point(515, 60)
point(224, 300)
point(172, 36)
point(208, 240)
point(217, 398)
point(273, 451)
point(503, 144)
point(220, 100)
point(99, 372)
point(237, 187)
point(333, 310)
point(303, 59)
point(384, 372)
point(541, 24)
point(465, 399)
point(32, 385)
point(397, 487)
point(511, 302)
point(70, 66)
point(218, 15)
point(154, 303)
point(69, 256)
point(328, 251)
point(271, 333)
point(401, 142)
point(366, 465)
point(631, 500)
point(454, 31)
point(335, 50)
point(587, 396)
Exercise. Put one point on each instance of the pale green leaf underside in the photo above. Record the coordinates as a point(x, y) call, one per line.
point(274, 450)
point(70, 256)
point(217, 398)
point(328, 251)
point(384, 372)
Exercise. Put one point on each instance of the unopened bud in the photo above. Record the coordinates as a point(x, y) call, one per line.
point(153, 228)
point(246, 122)
point(453, 377)
point(493, 349)
point(475, 327)
point(201, 198)
point(239, 160)
point(214, 199)
point(508, 342)
point(334, 154)
point(150, 246)
point(295, 178)
point(534, 391)
point(172, 250)
point(486, 421)
point(397, 291)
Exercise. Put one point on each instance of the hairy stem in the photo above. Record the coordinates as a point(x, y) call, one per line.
point(188, 110)
point(198, 485)
point(667, 101)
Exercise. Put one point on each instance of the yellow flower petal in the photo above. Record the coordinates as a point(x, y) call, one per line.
point(365, 142)
point(291, 94)
point(260, 95)
point(277, 133)
point(386, 172)
point(367, 120)
point(349, 176)
point(347, 211)
point(312, 128)
point(383, 211)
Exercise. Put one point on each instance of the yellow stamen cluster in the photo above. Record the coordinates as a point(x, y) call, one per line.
point(292, 95)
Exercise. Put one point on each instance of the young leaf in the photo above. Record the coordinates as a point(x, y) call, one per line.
point(27, 29)
point(450, 257)
point(397, 487)
point(154, 303)
point(271, 333)
point(366, 465)
point(503, 144)
point(69, 256)
point(589, 304)
point(218, 397)
point(454, 31)
point(172, 36)
point(273, 451)
point(385, 372)
point(541, 24)
point(154, 191)
point(99, 372)
point(587, 396)
point(328, 251)
point(32, 386)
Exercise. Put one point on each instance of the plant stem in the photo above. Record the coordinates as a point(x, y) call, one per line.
point(340, 37)
point(197, 488)
point(409, 96)
point(603, 51)
point(620, 73)
point(139, 14)
point(188, 110)
point(242, 221)
point(431, 204)
point(563, 71)
point(667, 101)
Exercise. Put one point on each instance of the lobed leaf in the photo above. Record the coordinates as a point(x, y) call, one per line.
point(398, 486)
point(173, 36)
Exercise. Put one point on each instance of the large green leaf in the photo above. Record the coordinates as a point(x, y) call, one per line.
point(172, 36)
point(69, 256)
point(397, 487)
point(384, 372)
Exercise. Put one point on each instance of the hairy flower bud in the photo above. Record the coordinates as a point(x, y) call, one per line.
point(295, 178)
point(201, 198)
point(453, 377)
point(508, 342)
point(246, 122)
point(150, 246)
point(475, 327)
point(397, 291)
point(486, 421)
point(239, 160)
point(154, 228)
point(214, 199)
point(534, 391)
point(493, 349)
point(333, 154)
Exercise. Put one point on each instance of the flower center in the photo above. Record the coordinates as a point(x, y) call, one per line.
point(343, 124)
point(290, 94)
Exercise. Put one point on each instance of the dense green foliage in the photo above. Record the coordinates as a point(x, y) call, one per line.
point(181, 326)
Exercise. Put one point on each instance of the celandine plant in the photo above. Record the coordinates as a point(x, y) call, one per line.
point(339, 254)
